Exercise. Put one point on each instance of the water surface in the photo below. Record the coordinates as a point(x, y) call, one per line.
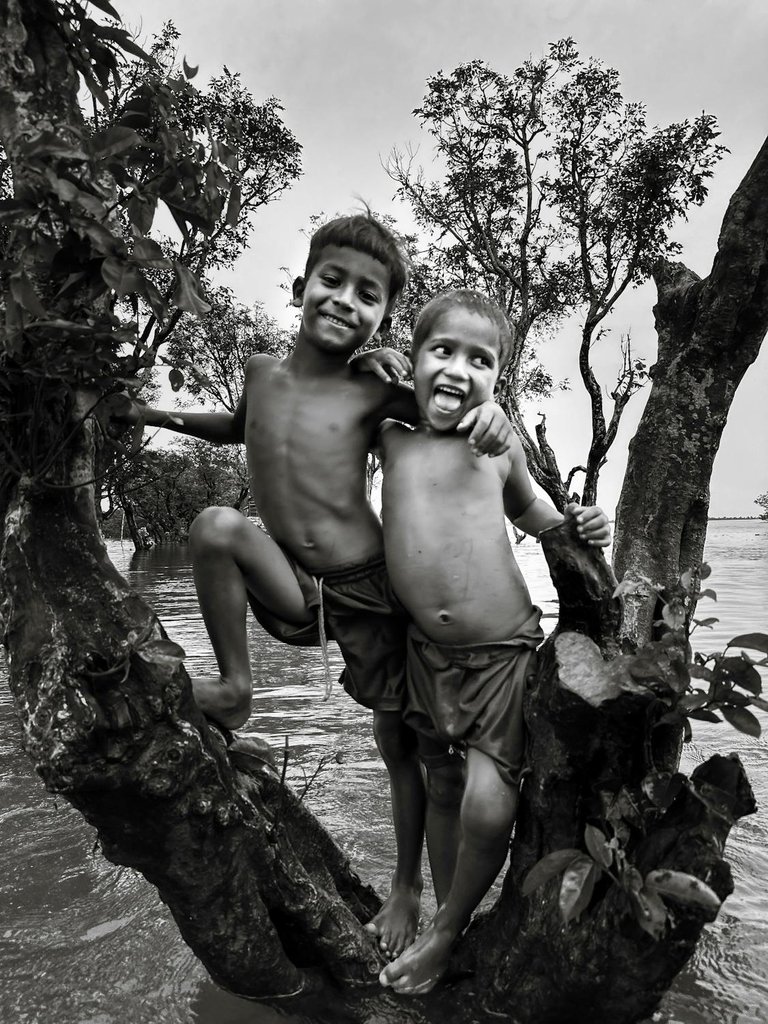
point(84, 942)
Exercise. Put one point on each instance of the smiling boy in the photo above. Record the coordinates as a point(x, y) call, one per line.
point(474, 629)
point(308, 422)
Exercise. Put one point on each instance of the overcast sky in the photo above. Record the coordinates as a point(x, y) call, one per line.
point(350, 72)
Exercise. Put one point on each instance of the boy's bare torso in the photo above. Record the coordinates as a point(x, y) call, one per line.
point(306, 438)
point(448, 553)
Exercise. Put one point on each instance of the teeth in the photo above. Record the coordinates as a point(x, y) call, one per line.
point(447, 400)
point(335, 320)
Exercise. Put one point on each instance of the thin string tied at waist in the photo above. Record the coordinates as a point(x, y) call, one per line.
point(323, 638)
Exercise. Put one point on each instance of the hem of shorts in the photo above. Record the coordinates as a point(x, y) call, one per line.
point(385, 705)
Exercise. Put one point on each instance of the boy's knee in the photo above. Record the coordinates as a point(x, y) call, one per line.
point(214, 528)
point(396, 742)
point(445, 786)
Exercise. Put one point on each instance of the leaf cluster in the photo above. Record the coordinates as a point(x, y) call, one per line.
point(79, 264)
point(651, 896)
point(732, 684)
point(720, 685)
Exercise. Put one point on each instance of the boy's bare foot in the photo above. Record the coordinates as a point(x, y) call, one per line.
point(397, 922)
point(422, 965)
point(224, 702)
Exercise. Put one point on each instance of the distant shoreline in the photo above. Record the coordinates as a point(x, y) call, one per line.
point(725, 519)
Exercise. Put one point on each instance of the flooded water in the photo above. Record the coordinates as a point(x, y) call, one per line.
point(83, 942)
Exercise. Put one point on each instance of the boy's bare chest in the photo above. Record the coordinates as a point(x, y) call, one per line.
point(440, 469)
point(289, 419)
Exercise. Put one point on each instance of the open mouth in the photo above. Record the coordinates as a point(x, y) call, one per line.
point(447, 398)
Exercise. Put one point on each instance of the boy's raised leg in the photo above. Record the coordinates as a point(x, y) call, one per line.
point(396, 924)
point(487, 814)
point(231, 556)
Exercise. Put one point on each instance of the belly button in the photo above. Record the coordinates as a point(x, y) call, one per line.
point(444, 616)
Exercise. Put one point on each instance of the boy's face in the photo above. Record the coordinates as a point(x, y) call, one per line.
point(344, 299)
point(456, 367)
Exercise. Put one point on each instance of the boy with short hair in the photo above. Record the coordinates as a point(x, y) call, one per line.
point(474, 629)
point(308, 422)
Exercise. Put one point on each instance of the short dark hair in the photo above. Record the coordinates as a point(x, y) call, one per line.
point(473, 301)
point(362, 231)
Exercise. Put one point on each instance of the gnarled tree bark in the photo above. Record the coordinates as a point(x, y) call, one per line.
point(710, 332)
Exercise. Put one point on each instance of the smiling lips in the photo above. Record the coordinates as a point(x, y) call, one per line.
point(336, 321)
point(447, 398)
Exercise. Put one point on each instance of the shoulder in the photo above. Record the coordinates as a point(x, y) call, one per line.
point(395, 402)
point(392, 437)
point(259, 363)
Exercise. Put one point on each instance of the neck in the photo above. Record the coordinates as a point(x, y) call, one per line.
point(307, 360)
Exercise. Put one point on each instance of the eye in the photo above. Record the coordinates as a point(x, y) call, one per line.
point(329, 279)
point(441, 349)
point(485, 361)
point(369, 297)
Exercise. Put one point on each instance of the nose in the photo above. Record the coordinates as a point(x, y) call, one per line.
point(344, 296)
point(456, 366)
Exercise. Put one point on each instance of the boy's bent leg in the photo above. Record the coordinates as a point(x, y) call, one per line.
point(397, 922)
point(488, 812)
point(232, 556)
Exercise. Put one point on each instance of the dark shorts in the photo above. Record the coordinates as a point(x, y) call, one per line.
point(471, 696)
point(363, 616)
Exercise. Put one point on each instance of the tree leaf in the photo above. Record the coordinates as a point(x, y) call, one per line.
point(121, 277)
point(741, 673)
point(673, 615)
point(692, 701)
point(189, 71)
point(597, 845)
point(577, 887)
point(141, 212)
point(700, 672)
point(161, 652)
point(233, 205)
point(147, 250)
point(25, 294)
point(650, 912)
point(706, 593)
point(683, 888)
point(176, 379)
point(752, 641)
point(114, 140)
point(741, 719)
point(702, 715)
point(187, 294)
point(107, 8)
point(661, 788)
point(548, 867)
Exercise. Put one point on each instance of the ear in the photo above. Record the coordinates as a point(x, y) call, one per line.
point(298, 292)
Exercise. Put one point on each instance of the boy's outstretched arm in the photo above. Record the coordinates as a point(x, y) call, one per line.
point(217, 427)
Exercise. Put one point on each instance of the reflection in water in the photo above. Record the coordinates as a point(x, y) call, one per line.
point(83, 942)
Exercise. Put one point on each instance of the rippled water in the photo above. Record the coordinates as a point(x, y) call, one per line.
point(83, 942)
